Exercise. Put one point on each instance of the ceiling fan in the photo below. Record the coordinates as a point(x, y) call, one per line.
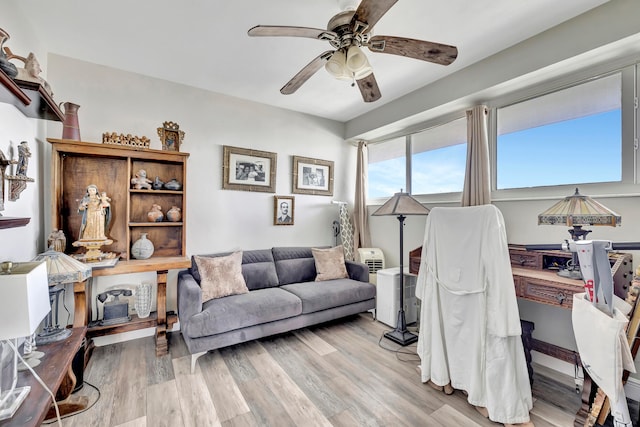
point(347, 32)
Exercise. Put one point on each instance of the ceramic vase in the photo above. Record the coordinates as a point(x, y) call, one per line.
point(143, 299)
point(173, 185)
point(155, 214)
point(157, 183)
point(70, 125)
point(10, 69)
point(142, 248)
point(174, 214)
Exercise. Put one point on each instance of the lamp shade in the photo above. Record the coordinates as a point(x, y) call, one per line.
point(62, 268)
point(579, 210)
point(336, 65)
point(401, 204)
point(24, 299)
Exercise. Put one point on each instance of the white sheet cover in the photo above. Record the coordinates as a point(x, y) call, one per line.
point(470, 332)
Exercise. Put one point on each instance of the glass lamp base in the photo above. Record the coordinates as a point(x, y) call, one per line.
point(12, 401)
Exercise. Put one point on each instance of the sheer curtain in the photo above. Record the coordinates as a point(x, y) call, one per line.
point(362, 235)
point(477, 187)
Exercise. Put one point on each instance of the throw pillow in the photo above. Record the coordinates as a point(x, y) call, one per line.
point(329, 263)
point(221, 276)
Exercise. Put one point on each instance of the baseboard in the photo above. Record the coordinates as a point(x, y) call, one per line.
point(632, 389)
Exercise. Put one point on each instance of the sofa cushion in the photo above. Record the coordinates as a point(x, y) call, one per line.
point(241, 311)
point(258, 268)
point(329, 263)
point(221, 276)
point(294, 264)
point(317, 296)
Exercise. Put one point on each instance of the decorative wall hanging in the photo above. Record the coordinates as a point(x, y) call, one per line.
point(283, 210)
point(312, 176)
point(171, 136)
point(248, 170)
point(18, 181)
point(125, 140)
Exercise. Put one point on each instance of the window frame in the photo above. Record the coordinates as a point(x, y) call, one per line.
point(629, 70)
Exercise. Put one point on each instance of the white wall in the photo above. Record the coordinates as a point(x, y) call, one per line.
point(217, 220)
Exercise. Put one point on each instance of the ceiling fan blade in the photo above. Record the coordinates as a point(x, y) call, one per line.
point(303, 75)
point(368, 13)
point(438, 53)
point(369, 88)
point(284, 31)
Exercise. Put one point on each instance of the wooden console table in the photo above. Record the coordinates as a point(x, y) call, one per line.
point(54, 368)
point(160, 320)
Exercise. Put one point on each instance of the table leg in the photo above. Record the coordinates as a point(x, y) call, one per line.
point(162, 346)
point(81, 304)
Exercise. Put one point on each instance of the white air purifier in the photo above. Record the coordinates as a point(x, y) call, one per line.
point(388, 295)
point(374, 259)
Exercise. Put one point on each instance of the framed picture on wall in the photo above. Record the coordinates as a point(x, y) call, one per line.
point(248, 170)
point(312, 176)
point(283, 210)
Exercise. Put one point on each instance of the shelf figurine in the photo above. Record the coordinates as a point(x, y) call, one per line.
point(96, 216)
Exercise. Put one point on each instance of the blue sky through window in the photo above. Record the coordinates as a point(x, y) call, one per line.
point(583, 150)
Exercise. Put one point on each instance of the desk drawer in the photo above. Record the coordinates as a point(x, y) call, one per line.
point(525, 259)
point(547, 292)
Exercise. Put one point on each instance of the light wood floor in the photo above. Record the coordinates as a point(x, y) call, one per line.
point(329, 375)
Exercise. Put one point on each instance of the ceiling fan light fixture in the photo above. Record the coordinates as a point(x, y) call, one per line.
point(364, 72)
point(336, 65)
point(356, 59)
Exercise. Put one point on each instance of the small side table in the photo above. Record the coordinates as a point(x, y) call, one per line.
point(55, 371)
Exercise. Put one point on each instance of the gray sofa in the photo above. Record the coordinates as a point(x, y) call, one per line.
point(283, 296)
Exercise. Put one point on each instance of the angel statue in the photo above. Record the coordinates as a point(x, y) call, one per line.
point(96, 214)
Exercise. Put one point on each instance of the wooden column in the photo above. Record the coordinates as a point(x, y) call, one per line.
point(81, 303)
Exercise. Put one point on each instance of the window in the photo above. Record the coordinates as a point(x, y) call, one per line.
point(438, 158)
point(387, 168)
point(571, 136)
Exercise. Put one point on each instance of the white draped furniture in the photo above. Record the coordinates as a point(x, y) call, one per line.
point(470, 333)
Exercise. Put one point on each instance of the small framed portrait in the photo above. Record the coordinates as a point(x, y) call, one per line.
point(283, 209)
point(171, 136)
point(248, 170)
point(312, 176)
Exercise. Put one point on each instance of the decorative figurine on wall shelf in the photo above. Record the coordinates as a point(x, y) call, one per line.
point(57, 241)
point(4, 162)
point(96, 216)
point(19, 179)
point(127, 141)
point(140, 181)
point(171, 136)
point(31, 71)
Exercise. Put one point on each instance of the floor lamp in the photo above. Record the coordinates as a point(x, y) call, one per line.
point(401, 205)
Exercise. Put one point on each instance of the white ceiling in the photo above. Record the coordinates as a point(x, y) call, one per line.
point(204, 43)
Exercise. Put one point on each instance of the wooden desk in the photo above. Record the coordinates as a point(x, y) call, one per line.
point(160, 320)
point(55, 366)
